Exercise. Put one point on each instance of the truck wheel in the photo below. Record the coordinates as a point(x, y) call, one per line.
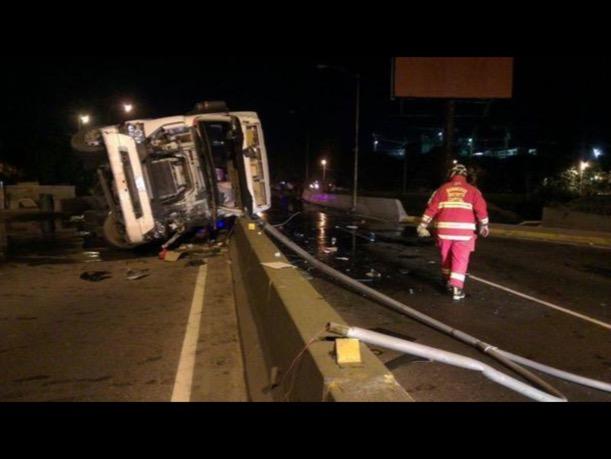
point(114, 234)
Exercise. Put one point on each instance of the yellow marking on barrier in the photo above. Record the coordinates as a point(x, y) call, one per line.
point(347, 350)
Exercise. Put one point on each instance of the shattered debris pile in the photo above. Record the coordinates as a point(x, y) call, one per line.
point(197, 252)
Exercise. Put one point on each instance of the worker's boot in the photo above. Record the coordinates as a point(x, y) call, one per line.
point(457, 293)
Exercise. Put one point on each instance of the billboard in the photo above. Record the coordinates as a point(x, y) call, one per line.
point(453, 77)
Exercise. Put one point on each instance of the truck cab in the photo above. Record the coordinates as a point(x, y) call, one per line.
point(165, 176)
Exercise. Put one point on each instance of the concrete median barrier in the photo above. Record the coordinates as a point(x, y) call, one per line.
point(563, 217)
point(557, 235)
point(383, 208)
point(542, 234)
point(289, 315)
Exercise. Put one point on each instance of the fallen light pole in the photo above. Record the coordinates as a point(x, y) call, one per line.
point(414, 314)
point(507, 359)
point(439, 355)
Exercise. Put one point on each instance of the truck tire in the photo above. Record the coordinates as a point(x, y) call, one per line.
point(114, 234)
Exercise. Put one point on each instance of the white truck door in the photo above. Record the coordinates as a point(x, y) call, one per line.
point(255, 162)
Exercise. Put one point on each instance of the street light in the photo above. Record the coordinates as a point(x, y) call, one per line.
point(324, 170)
point(597, 152)
point(357, 77)
point(583, 165)
point(127, 108)
point(83, 120)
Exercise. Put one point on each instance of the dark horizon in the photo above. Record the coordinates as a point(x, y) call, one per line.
point(557, 100)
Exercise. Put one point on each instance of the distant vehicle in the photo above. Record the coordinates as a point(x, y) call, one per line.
point(162, 177)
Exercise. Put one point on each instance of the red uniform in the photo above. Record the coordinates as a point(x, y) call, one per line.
point(456, 207)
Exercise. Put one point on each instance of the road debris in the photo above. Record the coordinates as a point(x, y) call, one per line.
point(135, 274)
point(95, 276)
point(92, 257)
point(202, 251)
point(278, 265)
point(171, 255)
point(373, 274)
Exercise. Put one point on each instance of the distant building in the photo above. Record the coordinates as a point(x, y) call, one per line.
point(504, 153)
point(424, 142)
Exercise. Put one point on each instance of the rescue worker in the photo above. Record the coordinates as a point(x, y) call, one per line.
point(456, 207)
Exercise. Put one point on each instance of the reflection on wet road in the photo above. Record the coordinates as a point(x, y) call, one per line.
point(338, 242)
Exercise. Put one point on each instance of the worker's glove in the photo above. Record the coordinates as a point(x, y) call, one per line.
point(422, 231)
point(484, 231)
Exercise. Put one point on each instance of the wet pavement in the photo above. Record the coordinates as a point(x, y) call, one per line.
point(392, 259)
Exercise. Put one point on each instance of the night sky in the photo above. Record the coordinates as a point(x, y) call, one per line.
point(560, 100)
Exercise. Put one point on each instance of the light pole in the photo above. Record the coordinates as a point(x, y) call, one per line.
point(583, 165)
point(307, 141)
point(357, 78)
point(324, 170)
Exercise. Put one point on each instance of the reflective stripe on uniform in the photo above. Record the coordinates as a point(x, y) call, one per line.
point(457, 276)
point(451, 237)
point(455, 205)
point(484, 221)
point(431, 198)
point(456, 225)
point(426, 218)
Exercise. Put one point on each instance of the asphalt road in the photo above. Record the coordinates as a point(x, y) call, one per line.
point(63, 338)
point(576, 278)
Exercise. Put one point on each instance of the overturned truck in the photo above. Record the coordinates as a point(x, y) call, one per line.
point(163, 177)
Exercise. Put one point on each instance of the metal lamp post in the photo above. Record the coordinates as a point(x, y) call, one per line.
point(357, 77)
point(324, 170)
